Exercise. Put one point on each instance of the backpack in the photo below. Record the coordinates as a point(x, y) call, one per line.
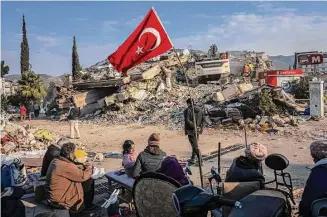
point(13, 172)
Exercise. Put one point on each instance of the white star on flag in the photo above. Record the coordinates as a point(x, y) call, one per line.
point(139, 50)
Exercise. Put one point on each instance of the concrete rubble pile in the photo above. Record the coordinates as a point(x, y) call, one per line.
point(18, 138)
point(155, 93)
point(265, 108)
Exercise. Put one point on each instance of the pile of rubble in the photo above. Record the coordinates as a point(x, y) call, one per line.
point(155, 93)
point(17, 138)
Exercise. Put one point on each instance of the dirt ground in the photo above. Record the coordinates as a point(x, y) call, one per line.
point(293, 142)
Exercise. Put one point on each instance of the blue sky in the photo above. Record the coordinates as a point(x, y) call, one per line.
point(100, 27)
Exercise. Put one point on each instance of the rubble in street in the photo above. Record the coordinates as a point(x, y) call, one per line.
point(18, 138)
point(155, 93)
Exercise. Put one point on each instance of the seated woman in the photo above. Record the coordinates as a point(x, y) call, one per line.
point(248, 168)
point(129, 156)
point(63, 186)
point(316, 187)
point(171, 168)
point(150, 159)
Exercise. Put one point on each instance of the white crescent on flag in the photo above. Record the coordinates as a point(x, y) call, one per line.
point(155, 33)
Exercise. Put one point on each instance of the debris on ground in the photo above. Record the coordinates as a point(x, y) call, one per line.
point(18, 138)
point(155, 93)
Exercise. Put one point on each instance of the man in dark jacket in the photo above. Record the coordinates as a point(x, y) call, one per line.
point(30, 110)
point(316, 187)
point(248, 168)
point(151, 158)
point(190, 131)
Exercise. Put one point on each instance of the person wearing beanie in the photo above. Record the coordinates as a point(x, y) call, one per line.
point(316, 187)
point(151, 158)
point(248, 168)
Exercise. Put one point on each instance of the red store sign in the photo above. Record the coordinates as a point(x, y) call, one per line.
point(310, 59)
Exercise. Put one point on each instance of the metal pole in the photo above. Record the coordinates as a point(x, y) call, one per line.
point(219, 153)
point(194, 120)
point(246, 138)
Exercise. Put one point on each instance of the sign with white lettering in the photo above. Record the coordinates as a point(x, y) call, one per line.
point(311, 59)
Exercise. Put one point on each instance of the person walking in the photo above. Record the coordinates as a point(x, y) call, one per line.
point(30, 110)
point(73, 118)
point(23, 111)
point(190, 131)
point(36, 109)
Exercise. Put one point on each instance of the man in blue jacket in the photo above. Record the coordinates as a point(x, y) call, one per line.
point(316, 186)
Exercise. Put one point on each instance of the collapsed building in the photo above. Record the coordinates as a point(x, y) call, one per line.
point(155, 92)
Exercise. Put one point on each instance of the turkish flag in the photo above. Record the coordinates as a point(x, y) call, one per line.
point(148, 40)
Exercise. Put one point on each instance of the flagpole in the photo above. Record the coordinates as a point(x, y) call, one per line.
point(189, 91)
point(194, 120)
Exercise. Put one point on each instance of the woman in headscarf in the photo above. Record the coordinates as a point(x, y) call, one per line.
point(248, 168)
point(171, 168)
point(316, 186)
point(151, 158)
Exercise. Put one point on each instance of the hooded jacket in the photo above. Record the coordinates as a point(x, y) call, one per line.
point(52, 152)
point(244, 170)
point(63, 184)
point(316, 187)
point(188, 118)
point(148, 160)
point(171, 168)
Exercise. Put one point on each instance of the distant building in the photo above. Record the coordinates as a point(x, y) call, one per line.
point(8, 88)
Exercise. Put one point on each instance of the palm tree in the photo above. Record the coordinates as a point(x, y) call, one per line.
point(32, 87)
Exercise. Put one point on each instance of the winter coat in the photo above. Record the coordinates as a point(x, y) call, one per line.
point(316, 187)
point(73, 114)
point(63, 184)
point(171, 168)
point(129, 162)
point(52, 152)
point(188, 118)
point(148, 160)
point(244, 170)
point(30, 108)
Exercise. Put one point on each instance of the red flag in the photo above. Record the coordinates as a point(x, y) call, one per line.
point(148, 40)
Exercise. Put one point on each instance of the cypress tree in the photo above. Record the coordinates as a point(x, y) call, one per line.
point(24, 51)
point(75, 61)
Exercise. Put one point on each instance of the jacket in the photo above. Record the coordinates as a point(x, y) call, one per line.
point(188, 118)
point(73, 114)
point(52, 152)
point(171, 168)
point(128, 162)
point(148, 160)
point(30, 108)
point(315, 188)
point(244, 170)
point(63, 184)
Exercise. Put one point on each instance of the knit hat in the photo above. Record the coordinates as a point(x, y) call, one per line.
point(154, 139)
point(80, 156)
point(319, 149)
point(256, 151)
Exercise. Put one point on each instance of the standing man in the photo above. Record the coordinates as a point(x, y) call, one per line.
point(36, 109)
point(190, 131)
point(30, 110)
point(73, 118)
